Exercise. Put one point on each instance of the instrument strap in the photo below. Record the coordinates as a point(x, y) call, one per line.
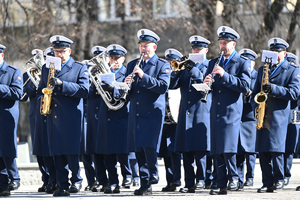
point(277, 67)
point(224, 65)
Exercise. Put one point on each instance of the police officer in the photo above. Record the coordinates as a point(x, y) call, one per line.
point(111, 137)
point(64, 124)
point(38, 129)
point(193, 119)
point(93, 120)
point(247, 137)
point(292, 133)
point(231, 80)
point(282, 87)
point(171, 158)
point(147, 107)
point(11, 89)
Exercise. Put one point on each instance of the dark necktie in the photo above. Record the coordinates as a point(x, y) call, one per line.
point(143, 64)
point(273, 67)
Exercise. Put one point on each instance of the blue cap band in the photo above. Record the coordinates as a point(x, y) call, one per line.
point(172, 57)
point(61, 44)
point(277, 47)
point(1, 50)
point(227, 36)
point(97, 52)
point(116, 53)
point(147, 38)
point(250, 56)
point(198, 45)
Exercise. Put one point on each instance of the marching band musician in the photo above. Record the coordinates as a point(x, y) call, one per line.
point(147, 108)
point(11, 90)
point(93, 120)
point(292, 133)
point(172, 159)
point(112, 137)
point(64, 125)
point(247, 137)
point(282, 87)
point(193, 119)
point(231, 80)
point(38, 130)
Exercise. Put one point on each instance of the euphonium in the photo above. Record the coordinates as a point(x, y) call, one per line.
point(33, 69)
point(261, 98)
point(102, 67)
point(47, 98)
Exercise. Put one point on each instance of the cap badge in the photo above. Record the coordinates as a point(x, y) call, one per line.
point(223, 29)
point(97, 48)
point(245, 51)
point(114, 47)
point(275, 41)
point(170, 51)
point(196, 38)
point(143, 32)
point(57, 38)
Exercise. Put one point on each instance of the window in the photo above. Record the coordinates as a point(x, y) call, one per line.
point(16, 15)
point(112, 10)
point(247, 7)
point(170, 8)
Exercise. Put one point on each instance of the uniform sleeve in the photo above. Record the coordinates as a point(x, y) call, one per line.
point(13, 91)
point(240, 83)
point(291, 91)
point(159, 84)
point(79, 89)
point(196, 75)
point(175, 79)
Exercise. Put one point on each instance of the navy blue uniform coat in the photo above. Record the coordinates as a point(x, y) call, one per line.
point(65, 121)
point(193, 127)
point(11, 90)
point(112, 126)
point(286, 87)
point(147, 103)
point(227, 103)
point(248, 122)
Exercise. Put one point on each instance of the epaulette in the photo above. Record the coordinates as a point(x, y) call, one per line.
point(77, 62)
point(244, 57)
point(296, 66)
point(163, 60)
point(15, 68)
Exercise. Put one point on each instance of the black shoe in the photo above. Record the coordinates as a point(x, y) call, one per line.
point(241, 187)
point(88, 188)
point(61, 192)
point(176, 183)
point(218, 191)
point(264, 189)
point(143, 191)
point(4, 192)
point(278, 185)
point(50, 188)
point(199, 185)
point(168, 188)
point(135, 183)
point(286, 181)
point(298, 188)
point(126, 182)
point(112, 189)
point(153, 180)
point(187, 190)
point(100, 188)
point(248, 182)
point(233, 185)
point(13, 186)
point(42, 188)
point(75, 188)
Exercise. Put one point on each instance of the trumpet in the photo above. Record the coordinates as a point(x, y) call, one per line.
point(182, 65)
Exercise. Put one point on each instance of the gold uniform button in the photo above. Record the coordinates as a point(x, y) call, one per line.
point(96, 118)
point(96, 107)
point(218, 103)
point(140, 80)
point(84, 114)
point(55, 116)
point(66, 95)
point(85, 123)
point(45, 120)
point(144, 85)
point(241, 122)
point(137, 103)
point(55, 93)
point(219, 91)
point(137, 91)
point(218, 115)
point(55, 105)
point(190, 90)
point(224, 83)
point(189, 102)
point(137, 114)
point(188, 113)
point(85, 104)
point(108, 119)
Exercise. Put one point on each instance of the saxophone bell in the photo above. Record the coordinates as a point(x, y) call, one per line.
point(260, 97)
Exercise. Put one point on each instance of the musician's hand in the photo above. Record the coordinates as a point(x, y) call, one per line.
point(137, 70)
point(55, 82)
point(128, 78)
point(219, 70)
point(267, 88)
point(107, 87)
point(207, 79)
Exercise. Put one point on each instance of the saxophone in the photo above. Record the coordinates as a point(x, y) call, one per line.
point(261, 98)
point(46, 99)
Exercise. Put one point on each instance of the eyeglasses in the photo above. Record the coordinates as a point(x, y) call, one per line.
point(61, 52)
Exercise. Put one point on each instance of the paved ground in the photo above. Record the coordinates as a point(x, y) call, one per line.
point(29, 191)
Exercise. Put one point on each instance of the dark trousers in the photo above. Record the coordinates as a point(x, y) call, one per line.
point(148, 166)
point(250, 159)
point(173, 167)
point(100, 169)
point(49, 164)
point(43, 169)
point(134, 168)
point(271, 164)
point(189, 159)
point(62, 165)
point(288, 162)
point(226, 168)
point(211, 170)
point(12, 169)
point(5, 162)
point(88, 163)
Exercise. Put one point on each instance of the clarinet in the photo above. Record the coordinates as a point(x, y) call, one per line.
point(132, 74)
point(204, 98)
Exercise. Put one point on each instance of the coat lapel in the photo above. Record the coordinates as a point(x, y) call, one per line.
point(280, 70)
point(150, 63)
point(3, 69)
point(232, 61)
point(66, 68)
